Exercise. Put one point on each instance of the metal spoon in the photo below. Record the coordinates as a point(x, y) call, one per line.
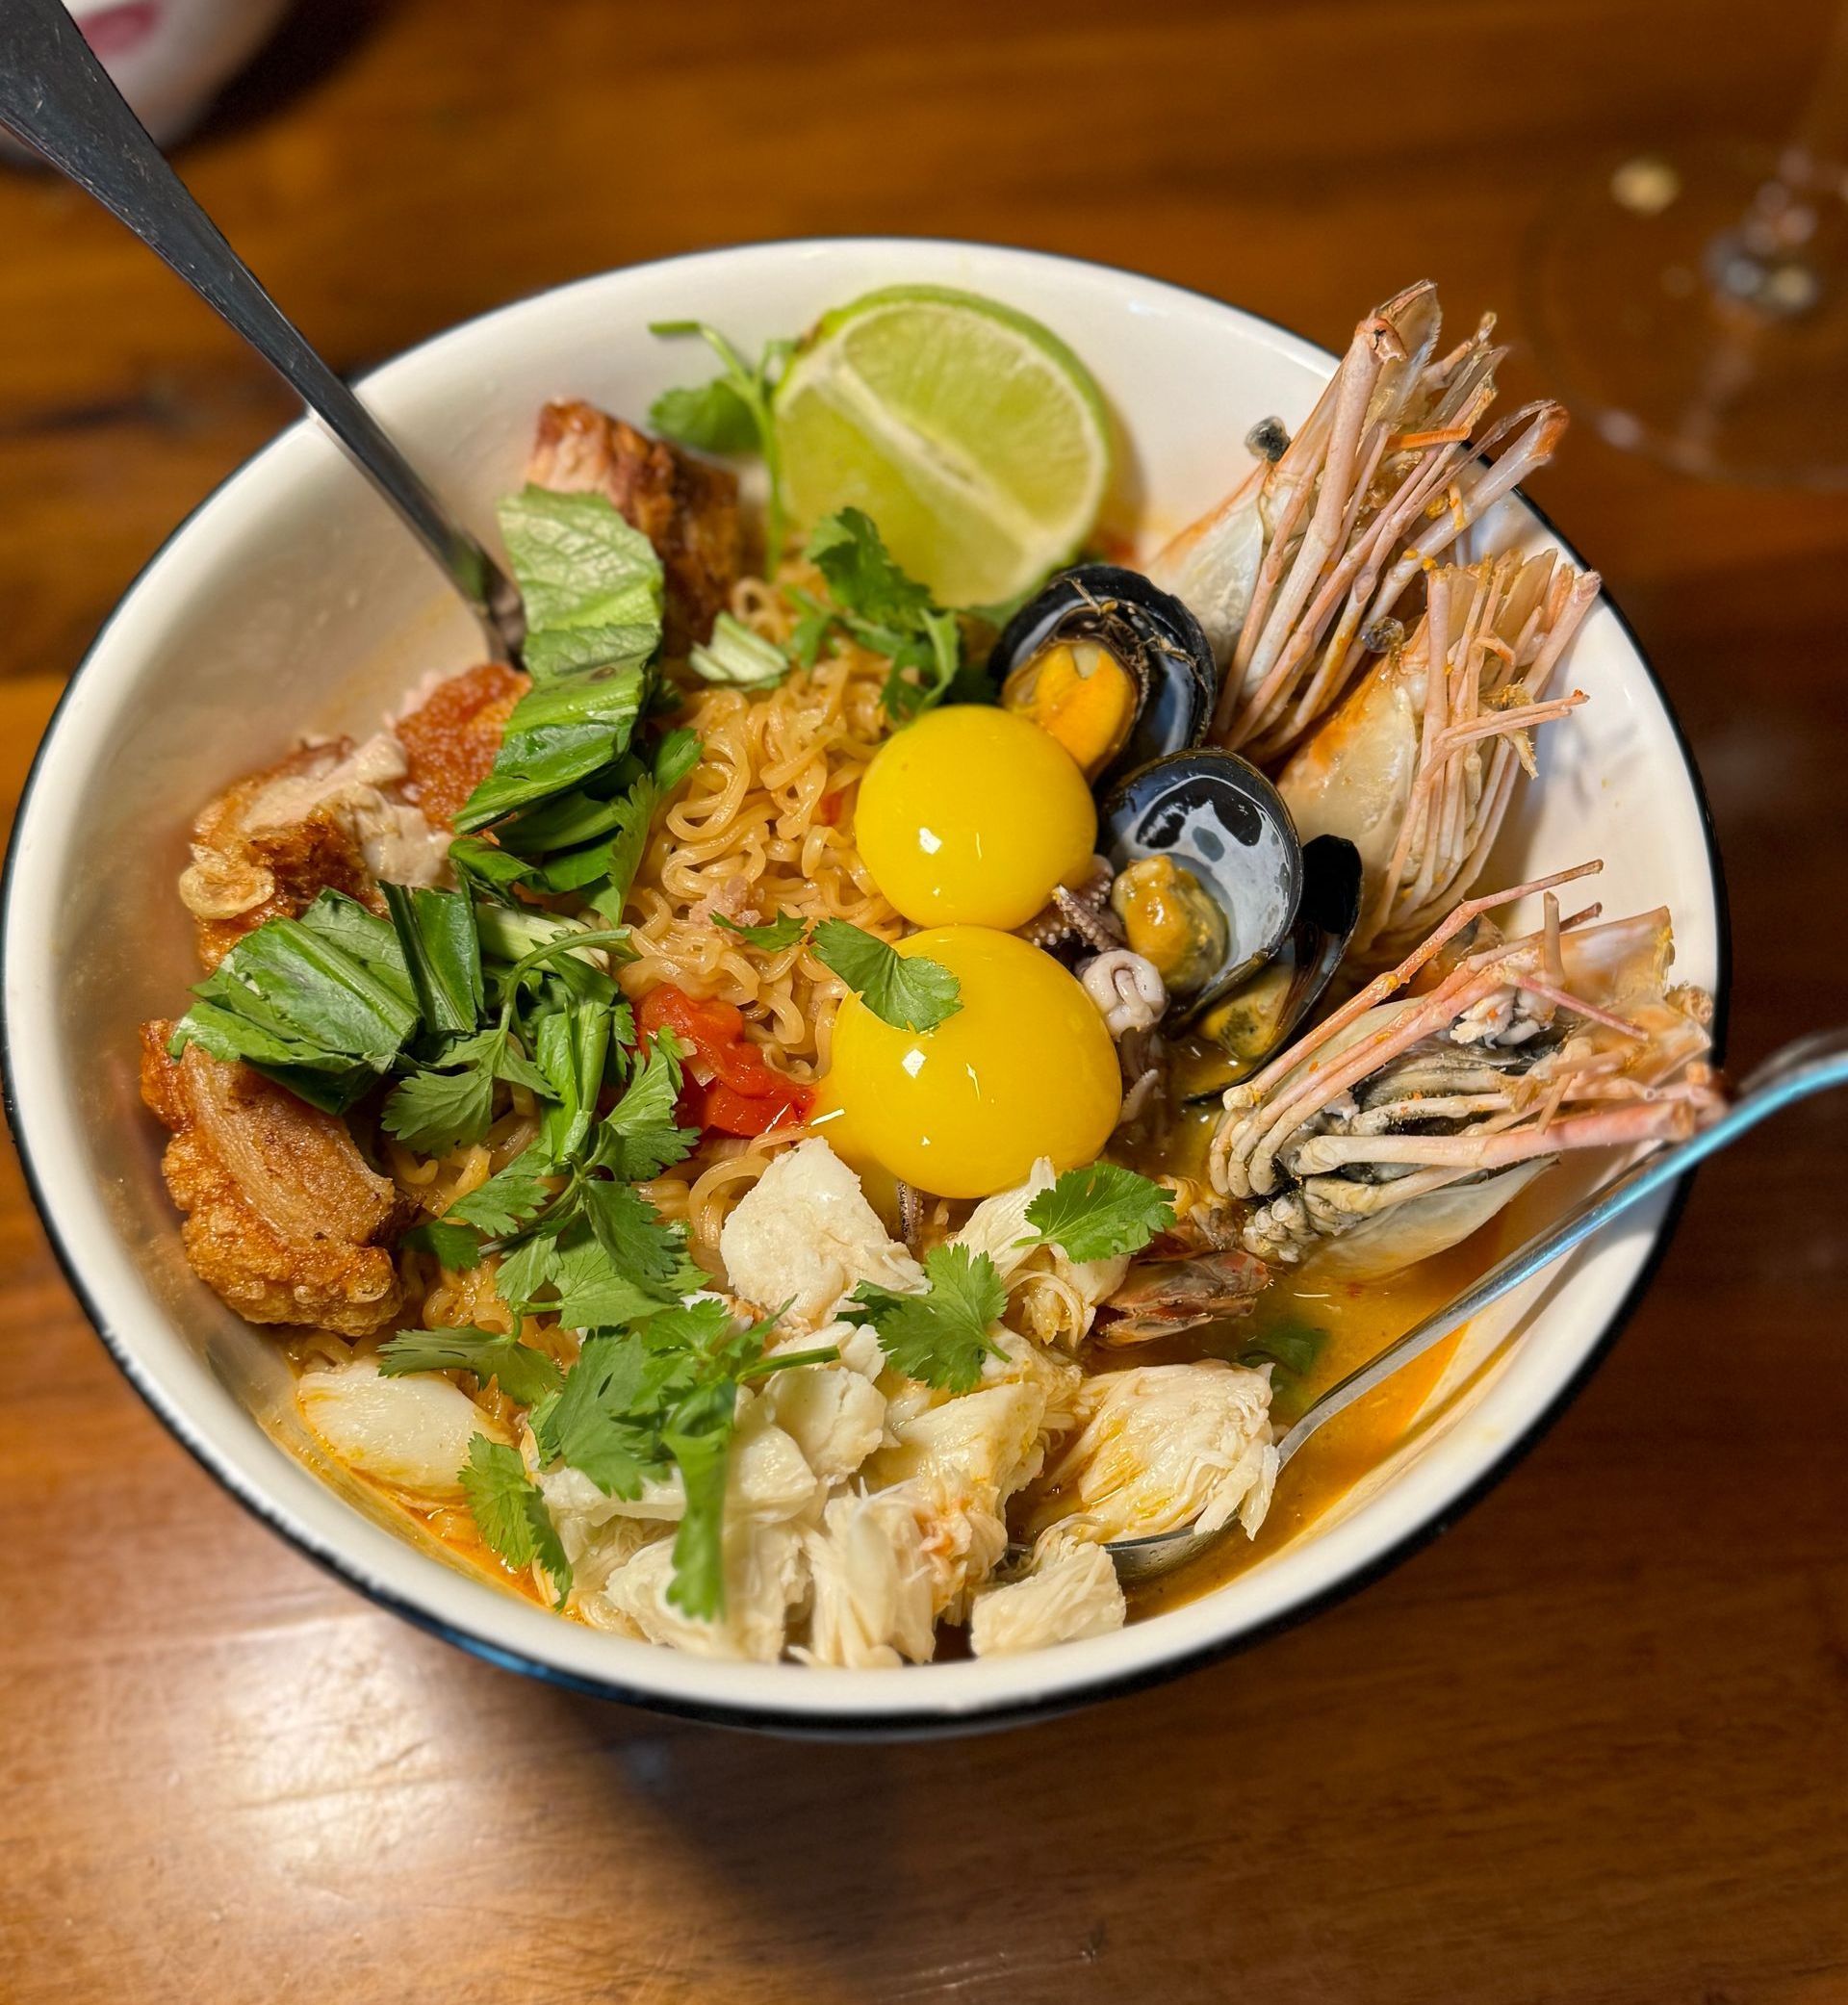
point(58, 98)
point(1810, 1065)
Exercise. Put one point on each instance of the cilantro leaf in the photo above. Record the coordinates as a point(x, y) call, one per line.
point(639, 1241)
point(640, 1136)
point(592, 1292)
point(1099, 1211)
point(908, 992)
point(511, 1512)
point(435, 1110)
point(885, 610)
point(730, 414)
point(524, 1375)
point(714, 417)
point(633, 816)
point(598, 1422)
point(592, 586)
point(939, 1338)
point(1291, 1345)
point(780, 932)
point(700, 1444)
point(457, 1248)
point(507, 1200)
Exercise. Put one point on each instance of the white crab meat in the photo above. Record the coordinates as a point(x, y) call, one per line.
point(805, 1234)
point(1058, 1379)
point(1162, 1446)
point(412, 1432)
point(599, 1532)
point(998, 1225)
point(962, 1458)
point(765, 1576)
point(1057, 1297)
point(872, 1588)
point(835, 1414)
point(1071, 1592)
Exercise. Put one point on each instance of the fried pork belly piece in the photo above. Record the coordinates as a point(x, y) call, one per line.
point(450, 732)
point(325, 818)
point(686, 508)
point(285, 1218)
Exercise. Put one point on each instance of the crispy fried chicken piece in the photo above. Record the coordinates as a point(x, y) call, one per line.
point(285, 1218)
point(450, 739)
point(686, 508)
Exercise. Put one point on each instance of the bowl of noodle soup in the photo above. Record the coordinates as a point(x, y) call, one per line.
point(289, 602)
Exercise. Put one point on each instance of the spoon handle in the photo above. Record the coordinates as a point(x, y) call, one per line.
point(1809, 1066)
point(59, 99)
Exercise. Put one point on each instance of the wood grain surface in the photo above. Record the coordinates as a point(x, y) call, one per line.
point(1591, 1745)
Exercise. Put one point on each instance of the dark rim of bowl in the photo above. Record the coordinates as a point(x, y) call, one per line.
point(917, 1722)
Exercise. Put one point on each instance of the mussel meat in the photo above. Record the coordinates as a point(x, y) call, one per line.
point(1256, 1018)
point(1119, 671)
point(1209, 872)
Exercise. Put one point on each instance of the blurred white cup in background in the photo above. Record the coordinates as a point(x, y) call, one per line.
point(169, 58)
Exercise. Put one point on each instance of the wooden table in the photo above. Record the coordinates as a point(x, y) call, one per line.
point(1590, 1746)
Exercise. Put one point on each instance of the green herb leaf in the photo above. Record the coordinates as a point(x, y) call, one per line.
point(1291, 1345)
point(524, 1375)
point(437, 937)
point(780, 933)
point(1099, 1211)
point(943, 1337)
point(908, 992)
point(436, 1110)
point(592, 586)
point(511, 1513)
point(322, 1004)
point(730, 414)
point(713, 418)
point(736, 658)
point(506, 1201)
point(885, 610)
point(640, 1136)
point(639, 1242)
point(456, 1247)
point(559, 733)
point(599, 1422)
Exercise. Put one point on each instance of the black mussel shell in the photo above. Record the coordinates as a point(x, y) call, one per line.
point(1260, 1015)
point(1213, 816)
point(1148, 631)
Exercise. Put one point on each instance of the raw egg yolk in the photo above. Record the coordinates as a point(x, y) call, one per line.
point(971, 815)
point(1025, 1068)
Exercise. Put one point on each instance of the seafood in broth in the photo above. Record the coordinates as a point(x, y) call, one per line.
point(777, 1128)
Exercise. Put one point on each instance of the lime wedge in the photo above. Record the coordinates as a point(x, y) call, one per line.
point(972, 436)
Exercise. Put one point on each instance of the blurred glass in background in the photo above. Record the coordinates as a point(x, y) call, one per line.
point(171, 58)
point(1694, 303)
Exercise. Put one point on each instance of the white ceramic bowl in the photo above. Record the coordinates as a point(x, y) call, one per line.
point(291, 601)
